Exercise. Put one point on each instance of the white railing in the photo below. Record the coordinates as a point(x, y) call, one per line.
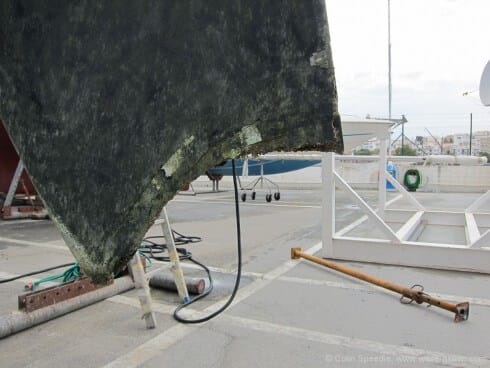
point(396, 247)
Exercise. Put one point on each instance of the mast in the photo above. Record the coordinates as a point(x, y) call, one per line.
point(389, 75)
point(389, 61)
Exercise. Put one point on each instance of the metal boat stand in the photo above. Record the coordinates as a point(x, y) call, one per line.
point(142, 282)
point(10, 211)
point(46, 304)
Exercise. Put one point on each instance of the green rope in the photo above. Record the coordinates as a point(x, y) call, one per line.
point(70, 274)
point(149, 263)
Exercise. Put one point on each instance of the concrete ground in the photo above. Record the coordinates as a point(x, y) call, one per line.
point(287, 313)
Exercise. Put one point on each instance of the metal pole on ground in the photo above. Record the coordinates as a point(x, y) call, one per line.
point(415, 293)
point(17, 321)
point(471, 130)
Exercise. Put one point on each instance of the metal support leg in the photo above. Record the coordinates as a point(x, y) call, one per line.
point(13, 184)
point(141, 284)
point(174, 258)
point(7, 211)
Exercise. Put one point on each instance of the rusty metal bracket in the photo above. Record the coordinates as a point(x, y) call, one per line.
point(408, 295)
point(38, 299)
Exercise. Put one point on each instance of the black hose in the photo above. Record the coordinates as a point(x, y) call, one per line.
point(36, 272)
point(239, 269)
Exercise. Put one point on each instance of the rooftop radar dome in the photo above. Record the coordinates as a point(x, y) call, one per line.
point(485, 85)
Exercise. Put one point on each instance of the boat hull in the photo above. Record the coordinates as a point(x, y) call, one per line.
point(357, 131)
point(113, 106)
point(261, 167)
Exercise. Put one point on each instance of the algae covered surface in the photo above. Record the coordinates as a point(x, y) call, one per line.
point(113, 106)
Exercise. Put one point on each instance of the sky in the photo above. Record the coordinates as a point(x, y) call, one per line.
point(439, 49)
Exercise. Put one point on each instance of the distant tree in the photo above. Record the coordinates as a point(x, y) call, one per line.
point(407, 151)
point(363, 152)
point(486, 154)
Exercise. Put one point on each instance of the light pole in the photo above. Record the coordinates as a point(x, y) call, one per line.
point(389, 60)
point(471, 130)
point(389, 75)
point(403, 138)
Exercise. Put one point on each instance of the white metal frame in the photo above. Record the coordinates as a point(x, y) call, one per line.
point(13, 184)
point(396, 248)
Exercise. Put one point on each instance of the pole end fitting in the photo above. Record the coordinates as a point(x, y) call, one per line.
point(462, 312)
point(295, 253)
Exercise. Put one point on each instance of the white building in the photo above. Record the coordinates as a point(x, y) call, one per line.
point(461, 145)
point(484, 137)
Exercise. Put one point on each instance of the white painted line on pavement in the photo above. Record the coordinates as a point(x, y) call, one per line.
point(48, 245)
point(163, 341)
point(388, 353)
